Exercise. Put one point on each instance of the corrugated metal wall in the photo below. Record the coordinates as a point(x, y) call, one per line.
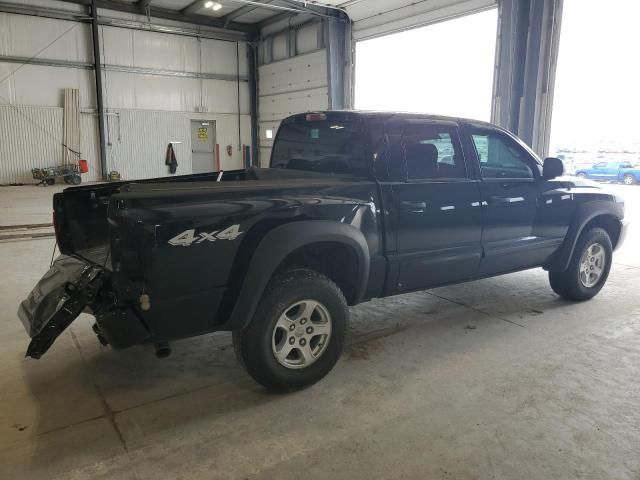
point(89, 145)
point(138, 141)
point(154, 85)
point(24, 145)
point(31, 137)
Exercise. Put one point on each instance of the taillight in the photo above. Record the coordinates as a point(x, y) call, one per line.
point(55, 224)
point(315, 117)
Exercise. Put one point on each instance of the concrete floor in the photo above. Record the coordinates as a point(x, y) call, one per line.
point(493, 379)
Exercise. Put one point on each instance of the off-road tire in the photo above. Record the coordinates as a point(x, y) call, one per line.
point(253, 345)
point(567, 284)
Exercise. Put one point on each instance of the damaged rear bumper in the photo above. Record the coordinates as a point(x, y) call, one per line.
point(59, 297)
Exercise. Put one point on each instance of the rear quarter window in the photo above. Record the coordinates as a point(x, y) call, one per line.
point(325, 146)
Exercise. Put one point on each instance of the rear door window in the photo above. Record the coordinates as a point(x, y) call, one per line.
point(433, 152)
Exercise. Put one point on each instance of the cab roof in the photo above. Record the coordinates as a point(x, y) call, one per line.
point(373, 115)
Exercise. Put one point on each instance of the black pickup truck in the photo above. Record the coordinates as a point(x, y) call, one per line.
point(356, 205)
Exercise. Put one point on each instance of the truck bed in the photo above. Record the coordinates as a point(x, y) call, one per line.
point(81, 214)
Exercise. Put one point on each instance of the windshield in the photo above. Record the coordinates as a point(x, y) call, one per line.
point(326, 146)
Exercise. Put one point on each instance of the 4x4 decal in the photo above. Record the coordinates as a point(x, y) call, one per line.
point(189, 237)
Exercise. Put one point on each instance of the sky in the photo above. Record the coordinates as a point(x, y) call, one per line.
point(447, 68)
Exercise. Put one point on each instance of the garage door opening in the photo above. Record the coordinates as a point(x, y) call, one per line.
point(446, 68)
point(597, 98)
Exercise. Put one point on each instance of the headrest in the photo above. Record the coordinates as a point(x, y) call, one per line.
point(422, 160)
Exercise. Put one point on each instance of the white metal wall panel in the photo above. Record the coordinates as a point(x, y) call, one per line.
point(307, 38)
point(178, 94)
point(220, 57)
point(5, 34)
point(162, 51)
point(25, 36)
point(117, 46)
point(7, 87)
point(138, 141)
point(274, 108)
point(279, 47)
point(57, 4)
point(375, 18)
point(44, 86)
point(297, 84)
point(41, 85)
point(30, 137)
point(171, 52)
point(165, 102)
point(90, 146)
point(222, 97)
point(297, 73)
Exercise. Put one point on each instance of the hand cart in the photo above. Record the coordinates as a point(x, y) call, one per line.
point(70, 173)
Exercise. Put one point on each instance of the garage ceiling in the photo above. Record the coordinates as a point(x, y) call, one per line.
point(370, 18)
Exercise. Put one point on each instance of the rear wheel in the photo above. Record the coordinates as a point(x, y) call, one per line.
point(588, 268)
point(628, 179)
point(50, 181)
point(297, 333)
point(581, 175)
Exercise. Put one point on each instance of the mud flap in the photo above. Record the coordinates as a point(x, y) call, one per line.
point(57, 300)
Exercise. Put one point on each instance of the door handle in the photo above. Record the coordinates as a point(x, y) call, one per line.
point(414, 207)
point(498, 199)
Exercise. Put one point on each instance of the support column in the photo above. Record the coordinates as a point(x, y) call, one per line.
point(526, 59)
point(253, 101)
point(99, 92)
point(339, 62)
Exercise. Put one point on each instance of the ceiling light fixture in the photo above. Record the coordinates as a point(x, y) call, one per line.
point(208, 4)
point(216, 6)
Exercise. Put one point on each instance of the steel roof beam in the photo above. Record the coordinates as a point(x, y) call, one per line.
point(167, 14)
point(229, 17)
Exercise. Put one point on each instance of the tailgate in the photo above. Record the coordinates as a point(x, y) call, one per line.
point(81, 221)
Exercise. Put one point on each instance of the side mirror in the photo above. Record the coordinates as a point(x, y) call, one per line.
point(552, 168)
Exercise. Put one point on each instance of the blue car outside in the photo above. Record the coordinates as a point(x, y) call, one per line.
point(624, 172)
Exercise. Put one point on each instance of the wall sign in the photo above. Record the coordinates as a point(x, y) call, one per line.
point(203, 134)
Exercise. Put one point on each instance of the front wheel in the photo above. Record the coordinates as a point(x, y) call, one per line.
point(629, 179)
point(297, 333)
point(581, 175)
point(588, 268)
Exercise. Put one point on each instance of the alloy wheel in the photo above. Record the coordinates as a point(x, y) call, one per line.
point(301, 334)
point(592, 265)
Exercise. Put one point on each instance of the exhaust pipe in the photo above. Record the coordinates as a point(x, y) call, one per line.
point(163, 350)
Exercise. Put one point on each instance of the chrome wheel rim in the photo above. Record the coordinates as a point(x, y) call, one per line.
point(592, 264)
point(628, 180)
point(301, 334)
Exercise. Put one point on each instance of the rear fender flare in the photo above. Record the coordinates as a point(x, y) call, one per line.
point(583, 215)
point(278, 244)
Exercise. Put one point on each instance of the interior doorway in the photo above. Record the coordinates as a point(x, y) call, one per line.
point(203, 142)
